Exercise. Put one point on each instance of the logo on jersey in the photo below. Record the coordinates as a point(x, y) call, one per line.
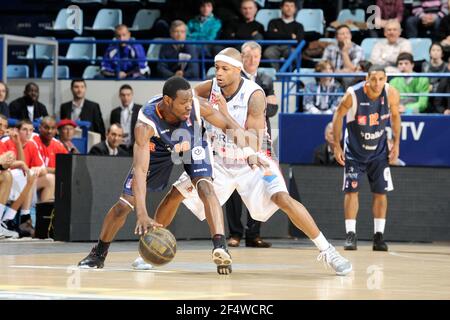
point(354, 184)
point(269, 176)
point(382, 100)
point(362, 120)
point(151, 146)
point(198, 153)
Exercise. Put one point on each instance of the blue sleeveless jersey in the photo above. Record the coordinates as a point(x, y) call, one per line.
point(196, 161)
point(365, 137)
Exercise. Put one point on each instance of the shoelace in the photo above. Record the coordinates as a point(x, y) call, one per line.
point(330, 256)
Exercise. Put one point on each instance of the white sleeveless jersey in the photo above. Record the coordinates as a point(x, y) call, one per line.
point(238, 109)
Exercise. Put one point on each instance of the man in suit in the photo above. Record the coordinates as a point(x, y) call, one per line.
point(28, 107)
point(324, 153)
point(126, 114)
point(111, 146)
point(82, 109)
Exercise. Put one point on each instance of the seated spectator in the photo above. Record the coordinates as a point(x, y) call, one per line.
point(389, 9)
point(324, 153)
point(437, 65)
point(113, 65)
point(321, 104)
point(83, 109)
point(386, 51)
point(48, 146)
point(245, 28)
point(426, 14)
point(205, 26)
point(4, 108)
point(29, 179)
point(180, 52)
point(444, 36)
point(28, 107)
point(284, 28)
point(251, 57)
point(126, 114)
point(66, 130)
point(409, 105)
point(111, 146)
point(345, 55)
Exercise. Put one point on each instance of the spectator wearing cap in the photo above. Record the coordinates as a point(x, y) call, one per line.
point(111, 146)
point(66, 130)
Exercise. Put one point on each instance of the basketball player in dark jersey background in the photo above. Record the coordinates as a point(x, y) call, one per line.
point(368, 106)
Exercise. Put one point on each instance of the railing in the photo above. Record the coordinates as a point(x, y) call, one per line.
point(291, 80)
point(203, 60)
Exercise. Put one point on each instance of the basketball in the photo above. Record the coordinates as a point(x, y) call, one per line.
point(158, 246)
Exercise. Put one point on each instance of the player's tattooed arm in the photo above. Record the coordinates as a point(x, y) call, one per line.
point(256, 119)
point(141, 160)
point(338, 119)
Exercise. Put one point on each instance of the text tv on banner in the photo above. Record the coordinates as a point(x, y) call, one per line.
point(425, 139)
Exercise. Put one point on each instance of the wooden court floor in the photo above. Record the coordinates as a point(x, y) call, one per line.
point(288, 270)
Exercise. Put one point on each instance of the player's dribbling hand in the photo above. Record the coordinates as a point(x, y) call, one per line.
point(339, 155)
point(144, 223)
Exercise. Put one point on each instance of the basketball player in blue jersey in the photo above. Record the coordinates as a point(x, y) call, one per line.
point(368, 105)
point(263, 190)
point(177, 113)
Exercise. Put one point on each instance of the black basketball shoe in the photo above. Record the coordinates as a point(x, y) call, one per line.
point(94, 260)
point(378, 242)
point(222, 259)
point(351, 241)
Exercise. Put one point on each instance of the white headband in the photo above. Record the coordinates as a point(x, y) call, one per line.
point(227, 59)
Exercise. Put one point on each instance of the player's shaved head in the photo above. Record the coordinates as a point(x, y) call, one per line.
point(232, 53)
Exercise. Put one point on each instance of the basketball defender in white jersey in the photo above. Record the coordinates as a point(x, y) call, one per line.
point(263, 190)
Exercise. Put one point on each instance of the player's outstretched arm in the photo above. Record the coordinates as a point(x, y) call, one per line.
point(338, 118)
point(203, 89)
point(394, 103)
point(141, 160)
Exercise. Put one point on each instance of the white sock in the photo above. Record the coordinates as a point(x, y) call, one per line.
point(378, 225)
point(321, 242)
point(350, 225)
point(25, 212)
point(2, 209)
point(9, 214)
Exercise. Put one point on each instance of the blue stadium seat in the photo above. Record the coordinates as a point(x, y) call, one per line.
point(63, 72)
point(89, 1)
point(346, 14)
point(307, 80)
point(81, 51)
point(421, 48)
point(271, 72)
point(265, 15)
point(153, 49)
point(43, 52)
point(68, 20)
point(367, 45)
point(90, 72)
point(311, 19)
point(144, 19)
point(211, 73)
point(106, 19)
point(17, 71)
